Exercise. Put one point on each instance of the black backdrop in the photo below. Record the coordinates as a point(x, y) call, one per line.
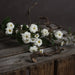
point(61, 12)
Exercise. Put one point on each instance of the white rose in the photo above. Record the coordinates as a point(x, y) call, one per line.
point(21, 26)
point(10, 25)
point(33, 49)
point(33, 40)
point(38, 42)
point(26, 35)
point(45, 32)
point(58, 34)
point(26, 41)
point(62, 43)
point(33, 28)
point(36, 35)
point(16, 31)
point(41, 51)
point(27, 26)
point(9, 30)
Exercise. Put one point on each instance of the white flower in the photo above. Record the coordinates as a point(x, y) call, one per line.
point(62, 43)
point(33, 40)
point(38, 42)
point(33, 28)
point(26, 35)
point(36, 35)
point(21, 26)
point(64, 32)
point(16, 31)
point(33, 49)
point(27, 26)
point(26, 41)
point(10, 25)
point(41, 51)
point(9, 30)
point(67, 42)
point(45, 32)
point(58, 34)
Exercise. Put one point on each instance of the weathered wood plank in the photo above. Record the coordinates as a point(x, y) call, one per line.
point(8, 43)
point(16, 72)
point(66, 66)
point(23, 60)
point(11, 47)
point(13, 51)
point(46, 68)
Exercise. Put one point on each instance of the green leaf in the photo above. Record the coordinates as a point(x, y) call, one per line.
point(4, 22)
point(52, 42)
point(46, 42)
point(54, 37)
point(19, 38)
point(69, 30)
point(24, 27)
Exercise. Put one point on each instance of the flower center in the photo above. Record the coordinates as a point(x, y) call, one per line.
point(36, 35)
point(11, 25)
point(9, 30)
point(45, 31)
point(34, 28)
point(40, 51)
point(33, 50)
point(59, 34)
point(32, 39)
point(38, 41)
point(26, 36)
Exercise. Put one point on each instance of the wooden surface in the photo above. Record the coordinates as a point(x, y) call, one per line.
point(14, 61)
point(10, 47)
point(46, 68)
point(66, 66)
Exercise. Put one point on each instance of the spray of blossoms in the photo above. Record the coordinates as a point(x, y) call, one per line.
point(35, 36)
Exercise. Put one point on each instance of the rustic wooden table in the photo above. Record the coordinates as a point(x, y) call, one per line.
point(14, 61)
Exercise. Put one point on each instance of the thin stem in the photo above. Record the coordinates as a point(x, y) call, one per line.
point(29, 11)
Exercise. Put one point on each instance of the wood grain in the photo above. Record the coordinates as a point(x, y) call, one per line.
point(11, 47)
point(16, 72)
point(46, 68)
point(14, 61)
point(66, 66)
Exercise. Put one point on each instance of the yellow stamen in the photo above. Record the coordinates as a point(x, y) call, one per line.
point(32, 39)
point(40, 51)
point(34, 28)
point(9, 30)
point(45, 32)
point(26, 36)
point(38, 41)
point(36, 35)
point(11, 25)
point(59, 34)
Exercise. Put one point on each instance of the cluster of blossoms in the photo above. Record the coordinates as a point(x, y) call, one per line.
point(33, 35)
point(10, 27)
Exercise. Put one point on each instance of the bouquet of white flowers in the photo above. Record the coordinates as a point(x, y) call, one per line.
point(36, 36)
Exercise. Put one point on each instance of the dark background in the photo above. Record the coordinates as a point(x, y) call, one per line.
point(60, 12)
